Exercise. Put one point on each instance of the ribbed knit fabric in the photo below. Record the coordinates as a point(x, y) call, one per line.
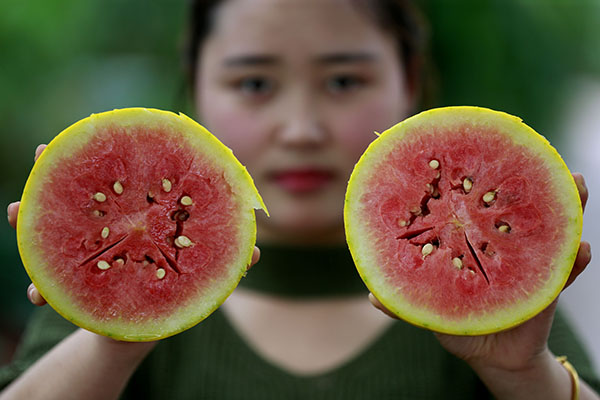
point(211, 361)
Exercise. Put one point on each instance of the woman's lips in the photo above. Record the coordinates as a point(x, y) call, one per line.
point(303, 180)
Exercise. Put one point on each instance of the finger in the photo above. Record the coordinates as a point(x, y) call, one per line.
point(584, 256)
point(582, 188)
point(255, 257)
point(34, 296)
point(381, 307)
point(12, 210)
point(38, 151)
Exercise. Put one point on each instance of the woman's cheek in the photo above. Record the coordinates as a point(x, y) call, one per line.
point(240, 131)
point(357, 130)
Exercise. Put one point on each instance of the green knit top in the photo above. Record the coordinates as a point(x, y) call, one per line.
point(212, 361)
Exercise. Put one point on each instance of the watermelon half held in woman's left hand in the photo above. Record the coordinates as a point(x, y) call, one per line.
point(463, 220)
point(137, 223)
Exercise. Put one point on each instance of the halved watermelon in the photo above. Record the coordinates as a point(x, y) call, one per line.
point(137, 223)
point(463, 220)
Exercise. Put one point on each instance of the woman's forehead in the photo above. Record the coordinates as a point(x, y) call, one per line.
point(320, 26)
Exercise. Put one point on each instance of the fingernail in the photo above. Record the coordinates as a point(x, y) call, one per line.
point(581, 183)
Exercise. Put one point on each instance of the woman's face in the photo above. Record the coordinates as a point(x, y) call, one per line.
point(296, 88)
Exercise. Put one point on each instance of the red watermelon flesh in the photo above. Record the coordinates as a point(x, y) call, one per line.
point(467, 229)
point(140, 228)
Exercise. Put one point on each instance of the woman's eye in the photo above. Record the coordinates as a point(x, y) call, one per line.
point(255, 86)
point(343, 83)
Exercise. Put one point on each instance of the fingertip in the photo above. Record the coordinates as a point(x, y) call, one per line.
point(255, 257)
point(38, 151)
point(34, 296)
point(378, 305)
point(11, 212)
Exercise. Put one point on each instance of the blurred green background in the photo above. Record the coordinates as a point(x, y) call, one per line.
point(61, 60)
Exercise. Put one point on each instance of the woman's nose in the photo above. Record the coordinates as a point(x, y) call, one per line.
point(302, 125)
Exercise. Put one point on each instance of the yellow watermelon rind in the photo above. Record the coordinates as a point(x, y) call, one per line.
point(361, 241)
point(76, 137)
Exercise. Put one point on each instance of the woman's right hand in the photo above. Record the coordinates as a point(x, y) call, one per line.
point(33, 294)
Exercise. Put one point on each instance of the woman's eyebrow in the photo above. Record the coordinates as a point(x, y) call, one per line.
point(245, 60)
point(346, 57)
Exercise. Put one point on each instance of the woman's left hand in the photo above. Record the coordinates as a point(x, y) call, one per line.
point(520, 349)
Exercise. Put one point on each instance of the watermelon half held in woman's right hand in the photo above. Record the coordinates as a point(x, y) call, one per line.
point(137, 223)
point(463, 220)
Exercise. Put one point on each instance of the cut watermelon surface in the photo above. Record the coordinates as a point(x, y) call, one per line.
point(137, 223)
point(463, 220)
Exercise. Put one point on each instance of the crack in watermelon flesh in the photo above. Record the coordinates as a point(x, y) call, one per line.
point(481, 256)
point(143, 221)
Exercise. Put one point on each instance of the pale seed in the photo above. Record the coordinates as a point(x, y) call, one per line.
point(457, 262)
point(183, 241)
point(402, 222)
point(160, 273)
point(434, 164)
point(427, 249)
point(504, 228)
point(105, 232)
point(120, 261)
point(415, 211)
point(118, 187)
point(98, 213)
point(103, 265)
point(166, 185)
point(99, 197)
point(467, 185)
point(489, 197)
point(186, 201)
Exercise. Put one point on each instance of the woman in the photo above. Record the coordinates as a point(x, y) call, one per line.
point(296, 88)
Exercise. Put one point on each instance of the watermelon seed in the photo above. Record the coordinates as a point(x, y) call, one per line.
point(183, 241)
point(98, 213)
point(427, 249)
point(160, 273)
point(186, 201)
point(166, 185)
point(150, 197)
point(180, 215)
point(504, 228)
point(103, 265)
point(118, 187)
point(489, 197)
point(415, 211)
point(402, 222)
point(457, 262)
point(434, 164)
point(119, 261)
point(467, 184)
point(99, 197)
point(105, 232)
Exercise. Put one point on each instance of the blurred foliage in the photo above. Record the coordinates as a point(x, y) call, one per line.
point(61, 60)
point(518, 56)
